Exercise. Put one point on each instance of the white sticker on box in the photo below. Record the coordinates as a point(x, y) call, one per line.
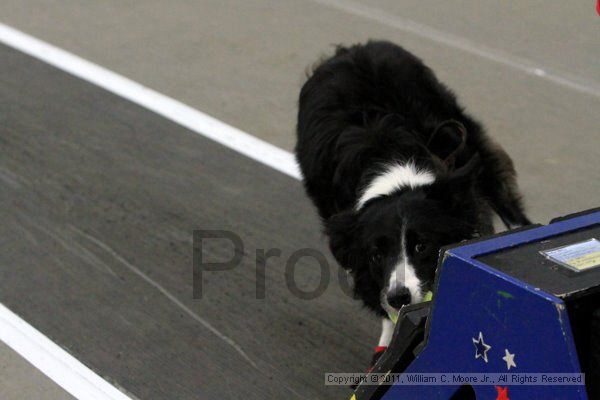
point(579, 256)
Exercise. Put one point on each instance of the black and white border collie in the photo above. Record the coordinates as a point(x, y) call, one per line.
point(396, 169)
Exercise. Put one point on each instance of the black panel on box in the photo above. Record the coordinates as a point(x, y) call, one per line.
point(539, 264)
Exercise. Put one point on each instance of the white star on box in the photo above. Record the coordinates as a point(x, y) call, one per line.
point(481, 348)
point(509, 359)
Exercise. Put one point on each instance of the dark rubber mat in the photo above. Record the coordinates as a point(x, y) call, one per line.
point(98, 202)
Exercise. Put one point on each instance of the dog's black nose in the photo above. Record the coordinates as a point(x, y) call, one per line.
point(398, 297)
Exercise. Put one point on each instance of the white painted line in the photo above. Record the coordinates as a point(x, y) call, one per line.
point(165, 106)
point(53, 361)
point(529, 67)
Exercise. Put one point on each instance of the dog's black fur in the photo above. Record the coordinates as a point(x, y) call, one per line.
point(374, 104)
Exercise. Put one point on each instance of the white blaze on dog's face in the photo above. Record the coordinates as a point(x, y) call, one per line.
point(402, 286)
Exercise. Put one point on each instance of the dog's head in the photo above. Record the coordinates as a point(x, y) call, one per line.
point(390, 241)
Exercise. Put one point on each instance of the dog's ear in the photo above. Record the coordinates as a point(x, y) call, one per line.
point(456, 187)
point(342, 230)
point(447, 142)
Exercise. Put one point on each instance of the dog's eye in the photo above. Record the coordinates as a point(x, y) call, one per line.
point(420, 247)
point(375, 256)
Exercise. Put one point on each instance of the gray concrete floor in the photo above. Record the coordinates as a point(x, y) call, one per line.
point(244, 61)
point(19, 380)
